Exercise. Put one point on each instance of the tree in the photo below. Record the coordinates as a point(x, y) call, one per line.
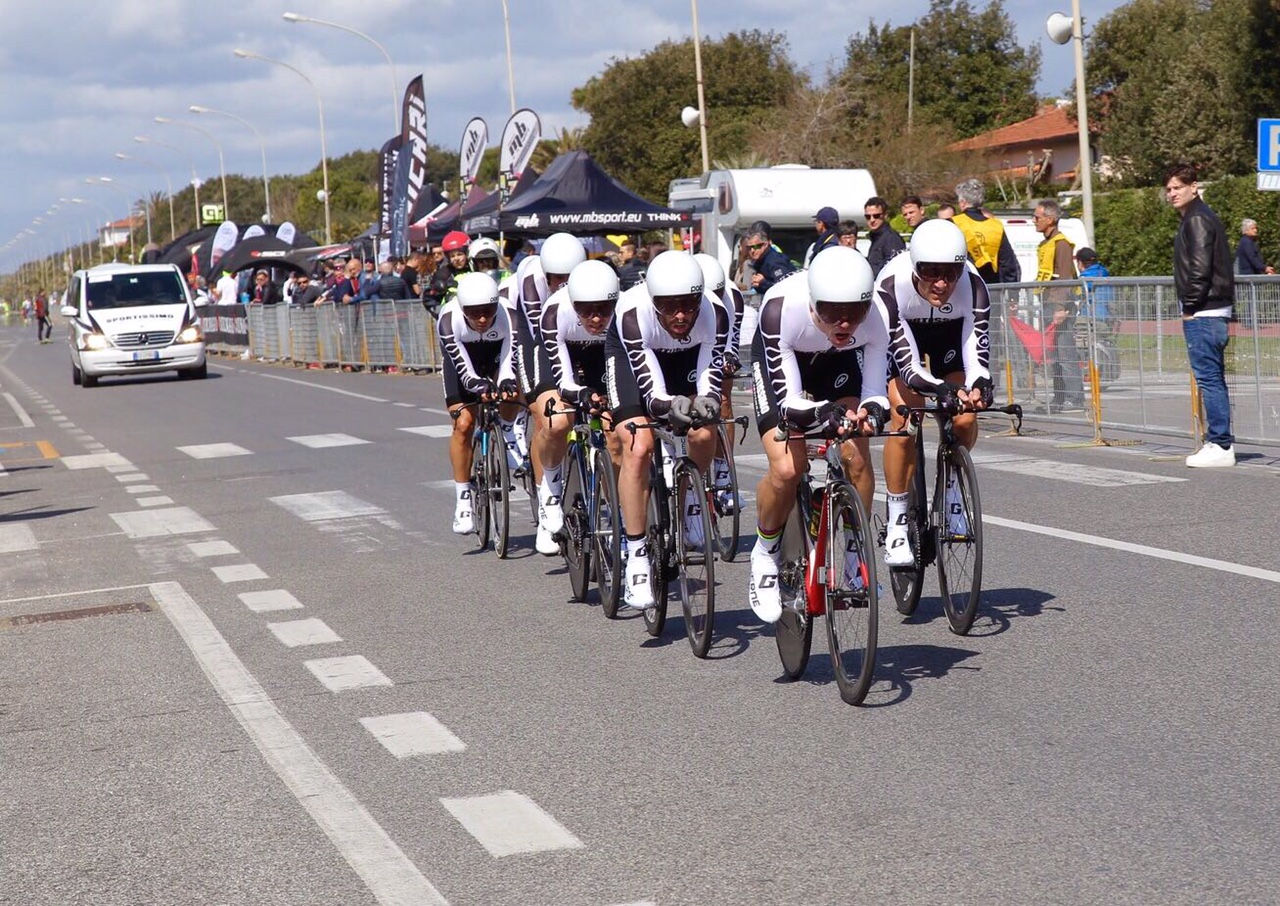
point(971, 74)
point(635, 131)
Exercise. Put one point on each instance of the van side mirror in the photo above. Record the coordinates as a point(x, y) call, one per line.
point(70, 311)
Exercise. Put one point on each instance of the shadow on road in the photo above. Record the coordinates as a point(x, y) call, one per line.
point(26, 515)
point(996, 611)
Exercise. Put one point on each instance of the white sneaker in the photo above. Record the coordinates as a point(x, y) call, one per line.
point(763, 594)
point(639, 592)
point(545, 542)
point(693, 534)
point(957, 521)
point(551, 515)
point(897, 546)
point(463, 524)
point(1212, 456)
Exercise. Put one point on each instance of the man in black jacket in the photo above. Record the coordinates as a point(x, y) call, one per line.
point(1249, 258)
point(885, 241)
point(768, 264)
point(1206, 288)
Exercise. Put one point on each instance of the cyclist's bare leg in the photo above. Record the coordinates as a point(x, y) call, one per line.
point(965, 425)
point(702, 447)
point(899, 452)
point(550, 435)
point(776, 492)
point(633, 477)
point(460, 442)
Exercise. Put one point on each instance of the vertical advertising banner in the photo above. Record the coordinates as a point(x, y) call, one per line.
point(474, 139)
point(223, 240)
point(411, 165)
point(519, 139)
point(387, 158)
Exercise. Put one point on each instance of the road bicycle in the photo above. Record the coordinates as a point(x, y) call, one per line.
point(592, 534)
point(827, 568)
point(490, 477)
point(946, 530)
point(723, 496)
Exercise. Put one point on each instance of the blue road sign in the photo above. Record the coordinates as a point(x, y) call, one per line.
point(1269, 146)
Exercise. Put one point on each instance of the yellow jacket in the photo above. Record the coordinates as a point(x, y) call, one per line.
point(1045, 253)
point(983, 239)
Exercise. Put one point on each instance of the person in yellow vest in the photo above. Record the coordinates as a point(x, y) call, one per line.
point(989, 247)
point(1055, 260)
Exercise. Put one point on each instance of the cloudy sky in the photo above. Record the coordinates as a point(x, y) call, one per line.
point(81, 79)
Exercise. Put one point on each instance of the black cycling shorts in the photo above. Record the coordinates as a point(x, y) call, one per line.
point(679, 373)
point(831, 375)
point(484, 358)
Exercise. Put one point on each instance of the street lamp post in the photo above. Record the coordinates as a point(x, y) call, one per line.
point(222, 167)
point(120, 155)
point(107, 180)
point(511, 72)
point(195, 178)
point(102, 181)
point(702, 100)
point(1061, 30)
point(395, 82)
point(101, 245)
point(266, 181)
point(324, 151)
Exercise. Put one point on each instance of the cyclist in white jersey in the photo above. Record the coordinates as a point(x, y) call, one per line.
point(664, 361)
point(476, 337)
point(729, 298)
point(938, 307)
point(575, 320)
point(819, 357)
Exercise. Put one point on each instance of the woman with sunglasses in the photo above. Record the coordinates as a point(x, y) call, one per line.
point(938, 307)
point(664, 360)
point(475, 335)
point(820, 357)
point(571, 358)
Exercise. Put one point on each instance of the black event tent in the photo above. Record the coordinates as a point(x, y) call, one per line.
point(574, 195)
point(483, 217)
point(198, 245)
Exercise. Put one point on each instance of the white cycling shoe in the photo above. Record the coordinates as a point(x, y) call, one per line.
point(897, 546)
point(639, 591)
point(763, 594)
point(957, 521)
point(551, 515)
point(545, 541)
point(463, 524)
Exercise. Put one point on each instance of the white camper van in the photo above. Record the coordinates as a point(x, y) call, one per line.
point(726, 202)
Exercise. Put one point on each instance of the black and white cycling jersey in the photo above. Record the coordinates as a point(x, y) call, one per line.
point(478, 360)
point(731, 303)
point(529, 291)
point(576, 356)
point(953, 336)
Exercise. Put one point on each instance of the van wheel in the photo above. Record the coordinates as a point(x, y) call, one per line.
point(195, 374)
point(75, 374)
point(88, 380)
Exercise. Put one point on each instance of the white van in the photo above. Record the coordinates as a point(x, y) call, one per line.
point(132, 319)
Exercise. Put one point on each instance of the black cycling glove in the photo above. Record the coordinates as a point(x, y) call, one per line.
point(681, 413)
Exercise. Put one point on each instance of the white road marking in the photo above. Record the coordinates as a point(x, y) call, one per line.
point(388, 873)
point(95, 461)
point(17, 537)
point(431, 430)
point(266, 601)
point(131, 477)
point(320, 441)
point(338, 674)
point(416, 733)
point(508, 823)
point(1078, 473)
point(178, 520)
point(212, 548)
point(405, 405)
point(214, 451)
point(155, 501)
point(91, 444)
point(758, 461)
point(239, 572)
point(19, 411)
point(440, 484)
point(326, 505)
point(126, 467)
point(312, 631)
point(59, 418)
point(142, 489)
point(313, 386)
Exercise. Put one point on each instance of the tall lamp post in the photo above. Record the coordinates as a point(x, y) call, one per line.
point(395, 82)
point(120, 155)
point(146, 208)
point(222, 167)
point(1061, 30)
point(110, 218)
point(133, 249)
point(324, 152)
point(266, 183)
point(511, 72)
point(195, 178)
point(702, 100)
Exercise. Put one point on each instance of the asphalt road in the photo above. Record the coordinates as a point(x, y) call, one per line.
point(174, 622)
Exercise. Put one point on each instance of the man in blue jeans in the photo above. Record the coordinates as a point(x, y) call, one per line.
point(1205, 285)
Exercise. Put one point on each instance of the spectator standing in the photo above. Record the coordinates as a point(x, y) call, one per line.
point(847, 233)
point(825, 222)
point(388, 285)
point(226, 289)
point(630, 268)
point(265, 292)
point(885, 241)
point(304, 291)
point(409, 273)
point(347, 290)
point(1055, 261)
point(1249, 258)
point(989, 247)
point(1206, 288)
point(1100, 297)
point(44, 330)
point(913, 211)
point(769, 264)
point(946, 211)
point(444, 281)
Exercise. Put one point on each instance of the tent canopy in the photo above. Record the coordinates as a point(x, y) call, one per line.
point(434, 228)
point(194, 250)
point(260, 251)
point(483, 218)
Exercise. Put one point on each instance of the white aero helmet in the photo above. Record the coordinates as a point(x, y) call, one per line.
point(938, 242)
point(561, 253)
point(674, 274)
point(712, 272)
point(476, 290)
point(840, 275)
point(593, 281)
point(483, 247)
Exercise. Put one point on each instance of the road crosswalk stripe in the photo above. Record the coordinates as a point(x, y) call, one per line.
point(310, 631)
point(340, 674)
point(178, 520)
point(508, 823)
point(239, 572)
point(212, 548)
point(430, 430)
point(416, 733)
point(326, 505)
point(214, 451)
point(267, 601)
point(322, 441)
point(155, 501)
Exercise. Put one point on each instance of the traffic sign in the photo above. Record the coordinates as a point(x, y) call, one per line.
point(1269, 155)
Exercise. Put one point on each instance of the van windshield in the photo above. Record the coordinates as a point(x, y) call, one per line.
point(131, 290)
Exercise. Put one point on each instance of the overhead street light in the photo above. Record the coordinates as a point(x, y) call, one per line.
point(195, 178)
point(102, 181)
point(395, 82)
point(702, 99)
point(1061, 30)
point(120, 155)
point(222, 167)
point(266, 180)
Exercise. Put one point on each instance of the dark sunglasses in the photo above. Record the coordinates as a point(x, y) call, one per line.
point(476, 312)
point(594, 309)
point(835, 313)
point(757, 246)
point(671, 305)
point(932, 271)
point(871, 216)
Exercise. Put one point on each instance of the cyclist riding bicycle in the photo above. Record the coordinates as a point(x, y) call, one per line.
point(938, 307)
point(663, 361)
point(819, 358)
point(575, 321)
point(485, 258)
point(730, 302)
point(475, 335)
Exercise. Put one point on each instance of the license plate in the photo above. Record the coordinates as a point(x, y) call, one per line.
point(148, 356)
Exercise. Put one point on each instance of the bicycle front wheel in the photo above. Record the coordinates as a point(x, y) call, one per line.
point(852, 611)
point(725, 508)
point(480, 489)
point(958, 524)
point(655, 617)
point(906, 581)
point(606, 531)
point(695, 562)
point(499, 491)
point(794, 629)
point(577, 529)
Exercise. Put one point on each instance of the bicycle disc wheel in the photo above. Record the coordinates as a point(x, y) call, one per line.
point(606, 531)
point(695, 562)
point(577, 530)
point(906, 581)
point(499, 492)
point(794, 629)
point(852, 612)
point(726, 519)
point(655, 617)
point(958, 524)
point(480, 489)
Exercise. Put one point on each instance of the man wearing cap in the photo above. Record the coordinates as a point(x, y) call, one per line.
point(885, 241)
point(1100, 297)
point(825, 222)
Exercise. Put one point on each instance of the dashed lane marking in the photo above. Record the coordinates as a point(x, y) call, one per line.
point(23, 417)
point(179, 520)
point(508, 823)
point(130, 477)
point(142, 489)
point(1078, 473)
point(155, 501)
point(239, 572)
point(321, 441)
point(326, 505)
point(430, 430)
point(413, 734)
point(214, 451)
point(212, 548)
point(17, 537)
point(95, 461)
point(268, 601)
point(340, 674)
point(296, 633)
